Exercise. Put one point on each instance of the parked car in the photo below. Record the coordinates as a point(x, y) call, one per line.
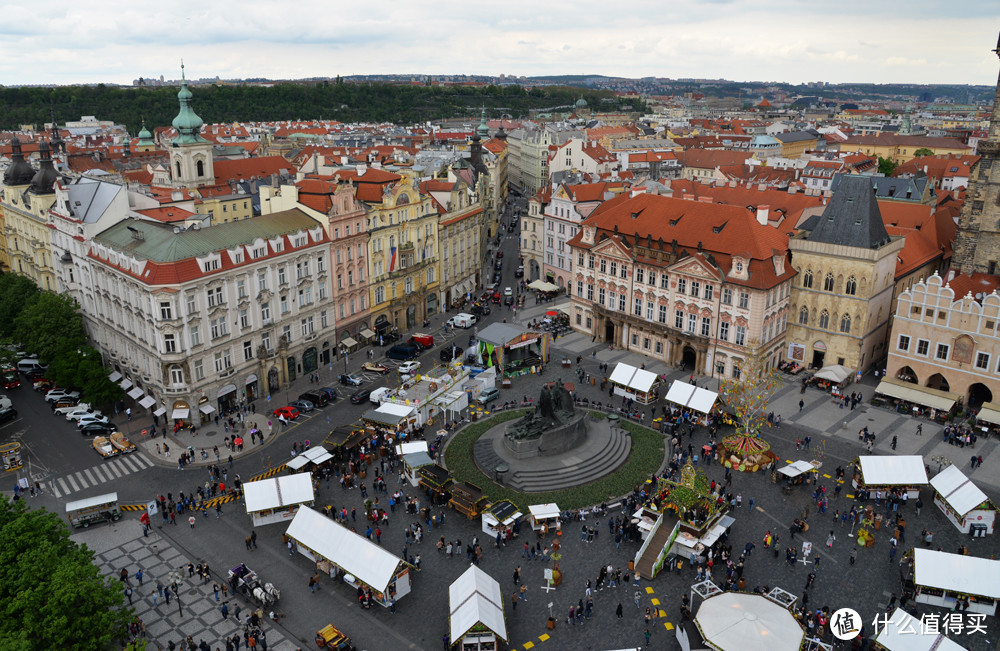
point(289, 412)
point(360, 396)
point(352, 380)
point(65, 406)
point(95, 417)
point(423, 340)
point(409, 368)
point(486, 395)
point(448, 353)
point(378, 394)
point(317, 398)
point(519, 273)
point(78, 413)
point(330, 392)
point(7, 414)
point(42, 384)
point(403, 352)
point(97, 429)
point(499, 254)
point(56, 394)
point(507, 291)
point(304, 406)
point(374, 367)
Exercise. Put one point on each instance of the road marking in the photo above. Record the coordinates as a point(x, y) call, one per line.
point(649, 590)
point(100, 472)
point(654, 601)
point(72, 483)
point(528, 645)
point(543, 637)
point(117, 467)
point(668, 626)
point(61, 487)
point(828, 476)
point(130, 465)
point(90, 475)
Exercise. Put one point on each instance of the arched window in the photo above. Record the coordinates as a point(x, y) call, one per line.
point(177, 166)
point(200, 165)
point(851, 288)
point(804, 315)
point(845, 323)
point(824, 319)
point(807, 278)
point(828, 283)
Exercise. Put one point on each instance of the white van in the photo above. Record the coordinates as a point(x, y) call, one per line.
point(462, 320)
point(29, 364)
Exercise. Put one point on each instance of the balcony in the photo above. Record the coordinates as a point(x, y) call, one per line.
point(229, 372)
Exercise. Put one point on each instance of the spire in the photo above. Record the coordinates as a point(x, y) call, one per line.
point(187, 122)
point(483, 131)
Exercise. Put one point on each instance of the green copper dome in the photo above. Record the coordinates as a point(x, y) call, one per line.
point(187, 122)
point(144, 136)
point(483, 130)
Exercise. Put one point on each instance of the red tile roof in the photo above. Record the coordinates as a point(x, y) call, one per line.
point(247, 168)
point(974, 284)
point(167, 214)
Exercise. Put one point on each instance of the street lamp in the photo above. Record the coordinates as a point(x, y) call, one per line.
point(343, 351)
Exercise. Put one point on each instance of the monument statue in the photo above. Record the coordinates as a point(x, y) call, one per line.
point(554, 409)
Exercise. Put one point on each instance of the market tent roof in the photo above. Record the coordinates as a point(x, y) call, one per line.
point(736, 621)
point(958, 490)
point(411, 447)
point(940, 400)
point(114, 377)
point(388, 413)
point(990, 412)
point(353, 553)
point(315, 455)
point(160, 411)
point(475, 598)
point(692, 397)
point(417, 459)
point(797, 468)
point(965, 574)
point(906, 633)
point(834, 373)
point(499, 334)
point(277, 492)
point(634, 378)
point(147, 402)
point(542, 286)
point(543, 511)
point(906, 470)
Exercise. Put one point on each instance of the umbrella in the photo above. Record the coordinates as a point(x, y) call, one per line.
point(552, 313)
point(238, 440)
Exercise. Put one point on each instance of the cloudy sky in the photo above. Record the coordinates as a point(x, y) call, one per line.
point(923, 41)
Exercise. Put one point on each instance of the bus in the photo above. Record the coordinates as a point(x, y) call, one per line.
point(92, 510)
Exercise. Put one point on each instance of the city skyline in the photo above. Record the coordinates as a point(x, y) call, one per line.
point(777, 40)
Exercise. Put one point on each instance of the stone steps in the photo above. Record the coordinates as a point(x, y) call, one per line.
point(597, 463)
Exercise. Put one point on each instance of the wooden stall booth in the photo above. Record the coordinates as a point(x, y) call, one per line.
point(500, 516)
point(467, 499)
point(635, 383)
point(477, 621)
point(437, 482)
point(544, 517)
point(338, 551)
point(278, 499)
point(882, 473)
point(414, 456)
point(941, 579)
point(963, 503)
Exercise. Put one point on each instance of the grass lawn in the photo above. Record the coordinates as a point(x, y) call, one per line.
point(644, 460)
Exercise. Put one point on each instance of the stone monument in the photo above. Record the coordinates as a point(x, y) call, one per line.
point(554, 427)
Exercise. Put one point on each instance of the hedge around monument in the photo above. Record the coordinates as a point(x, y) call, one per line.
point(644, 460)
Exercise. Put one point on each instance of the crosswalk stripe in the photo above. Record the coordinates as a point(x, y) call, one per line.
point(88, 472)
point(62, 486)
point(123, 466)
point(142, 460)
point(72, 482)
point(100, 477)
point(135, 462)
point(115, 468)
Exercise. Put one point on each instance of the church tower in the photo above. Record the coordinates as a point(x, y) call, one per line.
point(977, 243)
point(190, 154)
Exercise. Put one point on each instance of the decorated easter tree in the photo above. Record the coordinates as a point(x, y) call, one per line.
point(747, 396)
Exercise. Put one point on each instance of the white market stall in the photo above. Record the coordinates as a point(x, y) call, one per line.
point(476, 604)
point(635, 383)
point(800, 467)
point(392, 415)
point(337, 550)
point(415, 456)
point(544, 517)
point(940, 579)
point(885, 472)
point(688, 396)
point(278, 498)
point(500, 516)
point(963, 503)
point(904, 632)
point(736, 621)
point(309, 459)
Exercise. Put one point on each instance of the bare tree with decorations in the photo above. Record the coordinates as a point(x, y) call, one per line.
point(747, 397)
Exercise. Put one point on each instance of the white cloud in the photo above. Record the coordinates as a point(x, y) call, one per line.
point(920, 41)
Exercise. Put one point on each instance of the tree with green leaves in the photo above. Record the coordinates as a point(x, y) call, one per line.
point(16, 292)
point(50, 324)
point(923, 151)
point(52, 596)
point(886, 166)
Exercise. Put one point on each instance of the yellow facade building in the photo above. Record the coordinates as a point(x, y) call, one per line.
point(900, 149)
point(27, 197)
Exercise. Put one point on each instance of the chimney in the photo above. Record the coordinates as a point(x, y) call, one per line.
point(176, 195)
point(762, 214)
point(705, 199)
point(687, 196)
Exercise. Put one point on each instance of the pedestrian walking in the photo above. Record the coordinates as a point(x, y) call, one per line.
point(830, 539)
point(751, 505)
point(191, 521)
point(128, 593)
point(854, 555)
point(215, 589)
point(618, 611)
point(224, 609)
point(312, 583)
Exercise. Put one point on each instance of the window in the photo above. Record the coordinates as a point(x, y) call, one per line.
point(215, 297)
point(579, 319)
point(624, 273)
point(727, 296)
point(658, 348)
point(614, 268)
point(302, 269)
point(265, 312)
point(579, 288)
point(664, 281)
point(649, 310)
point(695, 288)
point(379, 295)
point(851, 288)
point(637, 307)
point(828, 283)
point(283, 302)
point(708, 292)
point(166, 311)
point(706, 326)
point(192, 304)
point(807, 278)
point(265, 341)
point(244, 318)
point(176, 375)
point(662, 318)
point(736, 371)
point(845, 323)
point(652, 279)
point(590, 291)
point(983, 360)
point(611, 299)
point(604, 266)
point(286, 332)
point(600, 295)
point(692, 322)
point(824, 319)
point(222, 360)
point(282, 279)
point(804, 315)
point(741, 335)
point(590, 261)
point(195, 336)
point(645, 343)
point(307, 326)
point(169, 344)
point(218, 327)
point(744, 300)
point(261, 281)
point(639, 275)
point(241, 288)
point(199, 370)
point(923, 346)
point(635, 340)
point(247, 350)
point(942, 351)
point(340, 281)
point(322, 319)
point(724, 331)
point(305, 296)
point(682, 285)
point(320, 264)
point(679, 319)
point(903, 343)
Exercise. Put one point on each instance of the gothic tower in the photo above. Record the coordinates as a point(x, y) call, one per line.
point(190, 154)
point(977, 243)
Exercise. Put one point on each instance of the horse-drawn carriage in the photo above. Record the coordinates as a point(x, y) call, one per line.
point(245, 580)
